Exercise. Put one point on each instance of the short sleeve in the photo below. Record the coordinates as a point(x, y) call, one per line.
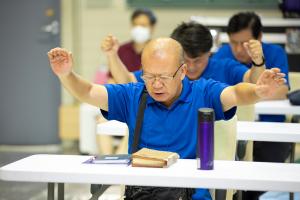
point(212, 97)
point(138, 76)
point(118, 102)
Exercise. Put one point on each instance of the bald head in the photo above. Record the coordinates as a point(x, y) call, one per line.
point(161, 49)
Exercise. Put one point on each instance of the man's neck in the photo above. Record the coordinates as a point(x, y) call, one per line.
point(171, 101)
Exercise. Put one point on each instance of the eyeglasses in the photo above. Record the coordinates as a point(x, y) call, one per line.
point(150, 78)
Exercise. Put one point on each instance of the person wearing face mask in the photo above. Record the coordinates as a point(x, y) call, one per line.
point(143, 22)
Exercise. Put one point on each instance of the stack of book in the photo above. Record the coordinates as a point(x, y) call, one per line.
point(153, 158)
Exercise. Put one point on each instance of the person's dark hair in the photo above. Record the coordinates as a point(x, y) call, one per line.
point(194, 38)
point(245, 20)
point(144, 11)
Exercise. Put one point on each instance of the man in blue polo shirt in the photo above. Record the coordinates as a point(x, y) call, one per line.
point(170, 117)
point(245, 28)
point(197, 42)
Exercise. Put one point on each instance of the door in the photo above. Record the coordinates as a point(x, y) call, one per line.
point(29, 92)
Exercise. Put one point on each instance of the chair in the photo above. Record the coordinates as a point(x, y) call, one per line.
point(105, 130)
point(225, 149)
point(87, 124)
point(245, 148)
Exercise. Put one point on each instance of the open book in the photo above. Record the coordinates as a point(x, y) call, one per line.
point(153, 158)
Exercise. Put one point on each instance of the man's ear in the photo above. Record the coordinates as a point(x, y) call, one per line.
point(259, 36)
point(183, 71)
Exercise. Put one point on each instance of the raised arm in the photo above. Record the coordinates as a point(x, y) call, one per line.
point(254, 50)
point(110, 46)
point(248, 93)
point(61, 62)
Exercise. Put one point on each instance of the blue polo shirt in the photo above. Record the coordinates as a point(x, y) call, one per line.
point(167, 129)
point(275, 56)
point(227, 71)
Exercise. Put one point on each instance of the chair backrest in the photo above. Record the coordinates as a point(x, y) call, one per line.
point(225, 139)
point(245, 113)
point(225, 148)
point(294, 78)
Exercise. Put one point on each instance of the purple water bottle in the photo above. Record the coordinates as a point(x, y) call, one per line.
point(205, 139)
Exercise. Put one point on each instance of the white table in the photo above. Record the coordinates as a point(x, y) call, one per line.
point(277, 38)
point(267, 22)
point(227, 174)
point(268, 131)
point(278, 107)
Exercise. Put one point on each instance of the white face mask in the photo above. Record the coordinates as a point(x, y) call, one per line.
point(140, 34)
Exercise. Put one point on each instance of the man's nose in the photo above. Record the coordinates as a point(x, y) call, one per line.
point(239, 47)
point(189, 63)
point(157, 83)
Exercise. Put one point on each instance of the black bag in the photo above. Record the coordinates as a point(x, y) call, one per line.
point(152, 193)
point(294, 97)
point(157, 193)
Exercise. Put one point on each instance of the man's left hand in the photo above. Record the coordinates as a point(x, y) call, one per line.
point(268, 82)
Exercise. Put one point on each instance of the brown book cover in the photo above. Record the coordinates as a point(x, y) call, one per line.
point(153, 158)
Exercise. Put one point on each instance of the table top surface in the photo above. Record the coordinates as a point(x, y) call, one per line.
point(276, 107)
point(184, 173)
point(268, 131)
point(267, 22)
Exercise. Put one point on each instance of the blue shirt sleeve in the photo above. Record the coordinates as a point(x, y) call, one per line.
point(118, 102)
point(212, 98)
point(138, 75)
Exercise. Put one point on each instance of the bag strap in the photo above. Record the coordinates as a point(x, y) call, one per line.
point(139, 122)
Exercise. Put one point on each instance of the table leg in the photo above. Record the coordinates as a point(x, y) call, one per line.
point(220, 194)
point(60, 191)
point(51, 191)
point(292, 160)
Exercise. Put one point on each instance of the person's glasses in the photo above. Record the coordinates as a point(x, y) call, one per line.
point(150, 78)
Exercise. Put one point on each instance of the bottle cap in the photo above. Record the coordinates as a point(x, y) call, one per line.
point(206, 115)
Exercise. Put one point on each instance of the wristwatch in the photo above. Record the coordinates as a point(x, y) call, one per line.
point(260, 64)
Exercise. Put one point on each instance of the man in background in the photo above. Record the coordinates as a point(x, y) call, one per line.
point(242, 28)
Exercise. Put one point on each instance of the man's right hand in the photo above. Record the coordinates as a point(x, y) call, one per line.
point(61, 61)
point(254, 50)
point(110, 45)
